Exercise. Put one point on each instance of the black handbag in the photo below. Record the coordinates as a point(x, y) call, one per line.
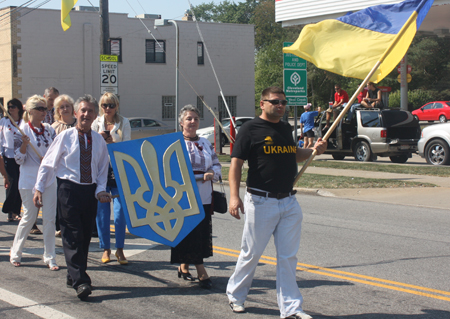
point(219, 200)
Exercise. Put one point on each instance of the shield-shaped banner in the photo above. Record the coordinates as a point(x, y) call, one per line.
point(157, 187)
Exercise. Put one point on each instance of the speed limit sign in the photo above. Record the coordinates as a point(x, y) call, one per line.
point(109, 74)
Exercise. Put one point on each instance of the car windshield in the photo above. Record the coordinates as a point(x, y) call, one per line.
point(448, 103)
point(226, 122)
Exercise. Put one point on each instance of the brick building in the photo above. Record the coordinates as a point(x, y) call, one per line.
point(36, 53)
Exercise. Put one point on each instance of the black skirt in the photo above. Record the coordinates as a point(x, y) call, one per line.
point(197, 245)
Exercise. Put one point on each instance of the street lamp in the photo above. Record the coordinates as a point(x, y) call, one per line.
point(162, 23)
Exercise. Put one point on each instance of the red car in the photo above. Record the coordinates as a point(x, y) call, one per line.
point(433, 111)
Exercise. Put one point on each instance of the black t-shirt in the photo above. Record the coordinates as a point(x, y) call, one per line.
point(271, 154)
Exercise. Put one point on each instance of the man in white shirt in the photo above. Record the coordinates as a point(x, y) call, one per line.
point(78, 157)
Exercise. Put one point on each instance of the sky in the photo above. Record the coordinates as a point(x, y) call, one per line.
point(168, 9)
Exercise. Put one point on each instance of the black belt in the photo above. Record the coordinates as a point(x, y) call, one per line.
point(271, 195)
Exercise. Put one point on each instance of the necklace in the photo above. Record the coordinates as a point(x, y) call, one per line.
point(35, 130)
point(109, 123)
point(38, 134)
point(188, 138)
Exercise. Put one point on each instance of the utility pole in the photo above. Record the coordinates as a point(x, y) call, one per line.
point(105, 47)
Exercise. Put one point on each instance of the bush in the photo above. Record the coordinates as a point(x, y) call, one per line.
point(416, 99)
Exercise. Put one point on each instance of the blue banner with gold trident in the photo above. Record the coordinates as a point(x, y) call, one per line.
point(157, 187)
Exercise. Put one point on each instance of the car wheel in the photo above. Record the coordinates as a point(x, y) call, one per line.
point(362, 152)
point(442, 119)
point(416, 117)
point(338, 157)
point(437, 152)
point(399, 159)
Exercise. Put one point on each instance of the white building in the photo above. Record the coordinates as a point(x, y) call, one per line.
point(35, 53)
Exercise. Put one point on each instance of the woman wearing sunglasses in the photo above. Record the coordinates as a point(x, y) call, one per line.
point(13, 202)
point(41, 136)
point(114, 128)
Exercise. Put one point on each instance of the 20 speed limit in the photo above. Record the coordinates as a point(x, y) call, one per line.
point(109, 73)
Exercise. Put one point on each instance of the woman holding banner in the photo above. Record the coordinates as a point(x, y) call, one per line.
point(114, 128)
point(13, 201)
point(198, 244)
point(40, 136)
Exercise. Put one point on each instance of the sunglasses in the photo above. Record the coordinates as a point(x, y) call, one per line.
point(40, 108)
point(337, 89)
point(111, 106)
point(12, 107)
point(276, 102)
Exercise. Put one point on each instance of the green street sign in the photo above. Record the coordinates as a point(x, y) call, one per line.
point(291, 61)
point(295, 87)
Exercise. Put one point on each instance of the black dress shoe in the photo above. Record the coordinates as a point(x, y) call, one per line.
point(83, 291)
point(205, 284)
point(185, 275)
point(69, 282)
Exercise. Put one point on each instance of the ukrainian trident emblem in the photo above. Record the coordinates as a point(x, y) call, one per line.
point(157, 187)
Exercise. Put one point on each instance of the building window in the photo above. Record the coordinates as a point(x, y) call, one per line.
point(116, 48)
point(200, 55)
point(200, 105)
point(231, 101)
point(168, 107)
point(155, 52)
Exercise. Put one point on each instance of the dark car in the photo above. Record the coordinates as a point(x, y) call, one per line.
point(433, 111)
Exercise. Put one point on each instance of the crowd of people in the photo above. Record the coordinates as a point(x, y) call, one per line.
point(54, 157)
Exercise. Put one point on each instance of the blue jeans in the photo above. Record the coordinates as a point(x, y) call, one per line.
point(104, 220)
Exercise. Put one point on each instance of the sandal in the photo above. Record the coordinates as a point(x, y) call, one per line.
point(52, 266)
point(36, 231)
point(15, 263)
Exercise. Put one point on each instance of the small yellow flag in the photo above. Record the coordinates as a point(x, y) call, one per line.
point(66, 7)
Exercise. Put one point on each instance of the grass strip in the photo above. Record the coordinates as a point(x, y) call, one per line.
point(317, 181)
point(442, 171)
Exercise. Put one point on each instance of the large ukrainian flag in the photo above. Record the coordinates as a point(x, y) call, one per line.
point(352, 44)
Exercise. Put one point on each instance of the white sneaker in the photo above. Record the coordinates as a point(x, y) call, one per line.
point(236, 307)
point(299, 315)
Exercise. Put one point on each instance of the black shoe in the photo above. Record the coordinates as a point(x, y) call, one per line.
point(83, 291)
point(205, 284)
point(69, 282)
point(186, 275)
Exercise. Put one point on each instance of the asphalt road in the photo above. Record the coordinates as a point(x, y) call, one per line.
point(357, 260)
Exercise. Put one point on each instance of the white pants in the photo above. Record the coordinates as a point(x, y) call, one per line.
point(29, 217)
point(264, 217)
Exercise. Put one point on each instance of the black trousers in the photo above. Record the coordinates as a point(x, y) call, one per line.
point(13, 201)
point(77, 209)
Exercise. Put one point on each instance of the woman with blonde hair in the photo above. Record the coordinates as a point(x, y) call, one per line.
point(114, 128)
point(64, 113)
point(41, 136)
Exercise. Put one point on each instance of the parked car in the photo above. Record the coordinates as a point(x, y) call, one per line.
point(208, 132)
point(434, 144)
point(144, 127)
point(373, 132)
point(433, 111)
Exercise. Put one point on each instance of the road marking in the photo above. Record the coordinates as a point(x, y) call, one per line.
point(372, 281)
point(31, 306)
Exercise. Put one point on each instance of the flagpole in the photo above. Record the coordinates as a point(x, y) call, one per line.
point(21, 132)
point(338, 119)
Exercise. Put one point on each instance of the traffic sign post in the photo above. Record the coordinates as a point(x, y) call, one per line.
point(294, 79)
point(294, 82)
point(109, 75)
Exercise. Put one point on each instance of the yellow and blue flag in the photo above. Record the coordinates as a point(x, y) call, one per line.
point(66, 7)
point(352, 44)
